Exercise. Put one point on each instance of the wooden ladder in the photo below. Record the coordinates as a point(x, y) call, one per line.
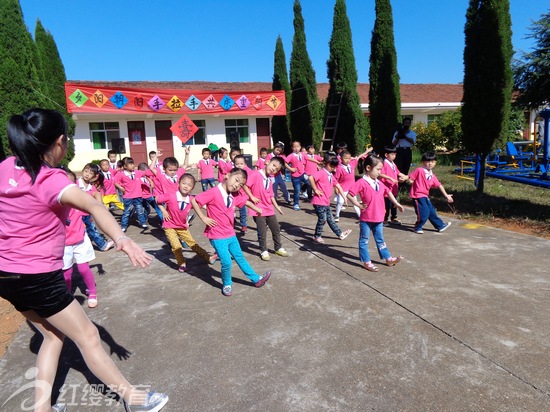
point(331, 123)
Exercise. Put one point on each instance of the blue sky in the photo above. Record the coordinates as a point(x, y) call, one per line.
point(234, 40)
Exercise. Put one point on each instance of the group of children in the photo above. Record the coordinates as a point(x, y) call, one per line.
point(168, 188)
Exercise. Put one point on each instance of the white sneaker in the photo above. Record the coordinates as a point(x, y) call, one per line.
point(281, 252)
point(265, 255)
point(445, 227)
point(153, 403)
point(345, 234)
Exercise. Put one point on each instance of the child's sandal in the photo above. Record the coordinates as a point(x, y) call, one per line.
point(370, 267)
point(92, 301)
point(393, 260)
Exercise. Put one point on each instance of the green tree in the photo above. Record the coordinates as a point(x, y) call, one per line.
point(342, 76)
point(19, 86)
point(487, 77)
point(384, 94)
point(531, 73)
point(52, 79)
point(305, 114)
point(280, 130)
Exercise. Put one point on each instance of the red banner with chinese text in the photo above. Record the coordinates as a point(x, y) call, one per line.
point(99, 99)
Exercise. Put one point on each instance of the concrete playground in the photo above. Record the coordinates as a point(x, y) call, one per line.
point(461, 325)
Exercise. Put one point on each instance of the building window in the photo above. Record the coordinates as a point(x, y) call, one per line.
point(433, 117)
point(236, 131)
point(102, 134)
point(200, 135)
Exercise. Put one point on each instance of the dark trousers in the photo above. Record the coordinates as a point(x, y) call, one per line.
point(262, 223)
point(426, 211)
point(403, 159)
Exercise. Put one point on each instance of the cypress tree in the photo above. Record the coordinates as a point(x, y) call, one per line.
point(52, 79)
point(342, 76)
point(487, 77)
point(279, 125)
point(305, 113)
point(384, 94)
point(19, 90)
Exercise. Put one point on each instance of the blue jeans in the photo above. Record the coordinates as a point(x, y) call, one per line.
point(324, 215)
point(93, 233)
point(243, 215)
point(129, 206)
point(227, 248)
point(426, 211)
point(297, 185)
point(147, 203)
point(364, 233)
point(207, 182)
point(280, 182)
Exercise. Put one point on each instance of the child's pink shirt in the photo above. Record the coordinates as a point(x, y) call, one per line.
point(207, 168)
point(174, 203)
point(260, 163)
point(32, 220)
point(74, 227)
point(376, 207)
point(224, 167)
point(109, 182)
point(390, 169)
point(165, 184)
point(146, 189)
point(345, 175)
point(325, 182)
point(262, 188)
point(86, 187)
point(298, 161)
point(131, 182)
point(312, 167)
point(215, 200)
point(421, 184)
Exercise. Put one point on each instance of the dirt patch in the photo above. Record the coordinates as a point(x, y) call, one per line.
point(10, 321)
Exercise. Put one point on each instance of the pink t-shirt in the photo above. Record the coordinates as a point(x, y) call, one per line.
point(74, 227)
point(215, 200)
point(260, 163)
point(109, 182)
point(376, 208)
point(178, 206)
point(224, 167)
point(312, 167)
point(262, 188)
point(131, 182)
point(422, 185)
point(32, 221)
point(390, 169)
point(207, 168)
point(345, 175)
point(325, 181)
point(146, 189)
point(298, 161)
point(165, 184)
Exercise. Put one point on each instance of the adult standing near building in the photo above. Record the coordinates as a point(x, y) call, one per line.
point(404, 140)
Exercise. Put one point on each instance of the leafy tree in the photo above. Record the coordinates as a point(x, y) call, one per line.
point(487, 77)
point(342, 75)
point(531, 72)
point(52, 79)
point(19, 86)
point(305, 114)
point(451, 129)
point(384, 94)
point(280, 130)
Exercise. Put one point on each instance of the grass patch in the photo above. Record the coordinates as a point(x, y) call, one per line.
point(505, 204)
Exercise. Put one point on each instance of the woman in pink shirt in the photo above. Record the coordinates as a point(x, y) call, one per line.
point(31, 254)
point(323, 183)
point(220, 202)
point(372, 193)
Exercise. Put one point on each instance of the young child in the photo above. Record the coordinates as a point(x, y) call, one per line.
point(166, 180)
point(322, 184)
point(340, 147)
point(153, 158)
point(260, 163)
point(313, 162)
point(423, 179)
point(345, 176)
point(128, 181)
point(224, 164)
point(261, 194)
point(113, 164)
point(296, 163)
point(390, 176)
point(239, 162)
point(85, 183)
point(372, 193)
point(176, 228)
point(147, 193)
point(279, 180)
point(79, 250)
point(110, 194)
point(220, 204)
point(205, 168)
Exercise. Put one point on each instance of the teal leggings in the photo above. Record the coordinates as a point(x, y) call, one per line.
point(227, 248)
